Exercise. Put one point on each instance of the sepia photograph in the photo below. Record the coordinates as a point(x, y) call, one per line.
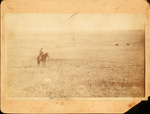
point(74, 55)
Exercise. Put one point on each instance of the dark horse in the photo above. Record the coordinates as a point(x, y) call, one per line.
point(42, 58)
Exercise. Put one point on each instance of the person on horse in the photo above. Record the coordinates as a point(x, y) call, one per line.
point(41, 53)
point(42, 58)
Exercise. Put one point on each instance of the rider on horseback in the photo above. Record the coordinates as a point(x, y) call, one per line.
point(42, 58)
point(41, 53)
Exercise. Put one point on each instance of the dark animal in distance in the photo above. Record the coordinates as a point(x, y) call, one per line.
point(42, 58)
point(116, 44)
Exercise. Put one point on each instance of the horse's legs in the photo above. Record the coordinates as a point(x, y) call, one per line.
point(38, 65)
point(42, 63)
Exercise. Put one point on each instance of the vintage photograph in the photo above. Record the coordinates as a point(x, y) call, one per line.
point(74, 55)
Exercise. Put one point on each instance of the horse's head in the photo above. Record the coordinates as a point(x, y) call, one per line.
point(47, 55)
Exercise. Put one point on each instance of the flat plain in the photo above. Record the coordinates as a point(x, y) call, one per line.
point(80, 65)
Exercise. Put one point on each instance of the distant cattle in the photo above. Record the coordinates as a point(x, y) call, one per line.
point(116, 44)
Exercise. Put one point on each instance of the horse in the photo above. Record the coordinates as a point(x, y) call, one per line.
point(42, 58)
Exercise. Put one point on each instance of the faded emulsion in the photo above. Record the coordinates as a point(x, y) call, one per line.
point(71, 56)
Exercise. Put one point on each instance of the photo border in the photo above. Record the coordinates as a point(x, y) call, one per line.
point(103, 105)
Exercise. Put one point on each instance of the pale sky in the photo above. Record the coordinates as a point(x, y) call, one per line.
point(28, 33)
point(73, 22)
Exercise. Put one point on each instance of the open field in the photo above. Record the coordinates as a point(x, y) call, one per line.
point(103, 64)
